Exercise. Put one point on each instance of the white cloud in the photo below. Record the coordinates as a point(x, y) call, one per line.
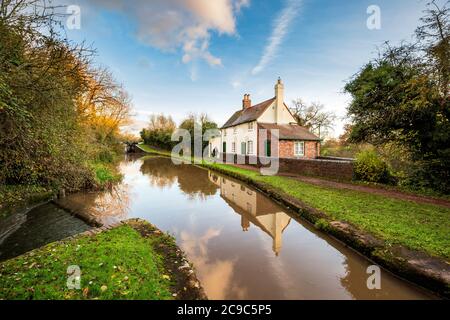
point(236, 84)
point(239, 4)
point(281, 28)
point(185, 25)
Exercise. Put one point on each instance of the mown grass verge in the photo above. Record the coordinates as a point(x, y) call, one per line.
point(422, 227)
point(116, 265)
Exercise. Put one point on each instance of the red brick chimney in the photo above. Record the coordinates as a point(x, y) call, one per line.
point(246, 103)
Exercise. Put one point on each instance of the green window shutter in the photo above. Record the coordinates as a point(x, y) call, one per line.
point(243, 148)
point(268, 148)
point(224, 147)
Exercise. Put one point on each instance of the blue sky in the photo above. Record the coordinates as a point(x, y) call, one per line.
point(181, 56)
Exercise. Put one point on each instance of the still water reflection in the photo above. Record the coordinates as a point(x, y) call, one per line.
point(243, 245)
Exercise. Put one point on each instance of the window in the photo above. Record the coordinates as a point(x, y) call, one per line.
point(224, 148)
point(268, 147)
point(299, 149)
point(243, 148)
point(233, 147)
point(225, 132)
point(235, 130)
point(250, 126)
point(250, 147)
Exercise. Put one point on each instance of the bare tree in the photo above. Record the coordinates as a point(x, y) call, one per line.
point(434, 33)
point(313, 117)
point(161, 122)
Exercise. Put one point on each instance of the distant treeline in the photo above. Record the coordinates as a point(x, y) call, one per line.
point(161, 128)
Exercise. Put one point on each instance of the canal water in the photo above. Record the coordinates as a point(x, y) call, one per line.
point(242, 244)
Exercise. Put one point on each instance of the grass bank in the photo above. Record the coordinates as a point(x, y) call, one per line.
point(409, 238)
point(13, 197)
point(105, 174)
point(421, 227)
point(126, 262)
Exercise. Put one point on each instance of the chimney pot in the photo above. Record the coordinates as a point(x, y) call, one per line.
point(246, 103)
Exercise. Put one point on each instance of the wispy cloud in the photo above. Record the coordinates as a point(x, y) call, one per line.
point(281, 28)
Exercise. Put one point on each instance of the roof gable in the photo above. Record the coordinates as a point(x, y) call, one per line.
point(270, 116)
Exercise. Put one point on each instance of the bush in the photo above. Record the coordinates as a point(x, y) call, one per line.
point(160, 138)
point(430, 177)
point(371, 168)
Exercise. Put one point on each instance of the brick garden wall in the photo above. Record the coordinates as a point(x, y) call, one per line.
point(333, 169)
point(341, 170)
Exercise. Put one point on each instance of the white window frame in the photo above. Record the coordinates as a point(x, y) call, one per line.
point(250, 126)
point(225, 132)
point(235, 130)
point(233, 147)
point(250, 146)
point(297, 148)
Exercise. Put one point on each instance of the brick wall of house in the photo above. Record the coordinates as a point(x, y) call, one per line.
point(286, 149)
point(312, 149)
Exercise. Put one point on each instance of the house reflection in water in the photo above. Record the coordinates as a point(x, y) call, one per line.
point(254, 209)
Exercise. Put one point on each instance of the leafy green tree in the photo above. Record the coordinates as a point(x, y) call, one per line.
point(402, 98)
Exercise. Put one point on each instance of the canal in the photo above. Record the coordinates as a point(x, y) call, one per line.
point(243, 245)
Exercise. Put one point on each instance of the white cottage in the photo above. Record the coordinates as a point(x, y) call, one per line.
point(239, 135)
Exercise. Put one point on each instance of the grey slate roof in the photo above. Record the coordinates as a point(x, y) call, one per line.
point(291, 131)
point(248, 115)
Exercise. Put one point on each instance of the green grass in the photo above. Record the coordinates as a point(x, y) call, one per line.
point(105, 174)
point(118, 264)
point(149, 149)
point(422, 227)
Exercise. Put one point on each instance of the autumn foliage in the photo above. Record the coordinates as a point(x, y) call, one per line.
point(58, 114)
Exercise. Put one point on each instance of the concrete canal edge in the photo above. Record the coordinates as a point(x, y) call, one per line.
point(429, 272)
point(185, 283)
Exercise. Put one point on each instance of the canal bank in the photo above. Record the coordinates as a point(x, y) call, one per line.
point(243, 244)
point(427, 270)
point(430, 272)
point(127, 260)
